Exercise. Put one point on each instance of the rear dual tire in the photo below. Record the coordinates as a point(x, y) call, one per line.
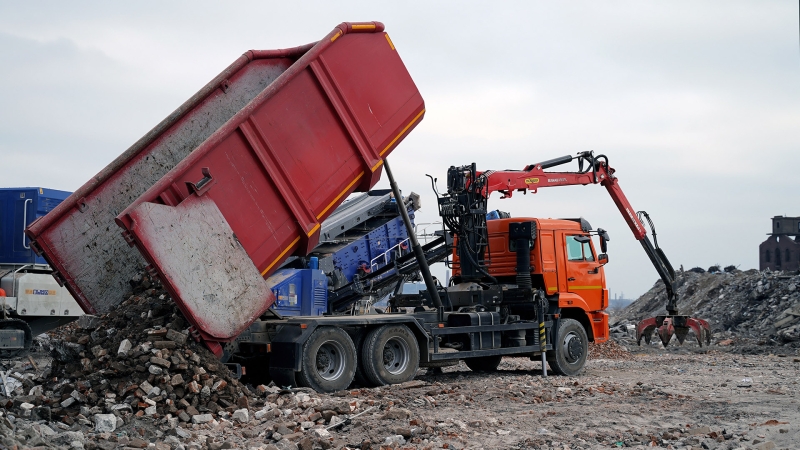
point(390, 355)
point(329, 360)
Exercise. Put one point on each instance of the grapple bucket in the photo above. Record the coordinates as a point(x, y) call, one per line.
point(668, 325)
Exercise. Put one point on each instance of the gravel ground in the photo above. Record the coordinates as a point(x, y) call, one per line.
point(650, 397)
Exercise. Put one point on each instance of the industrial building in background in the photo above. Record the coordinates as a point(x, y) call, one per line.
point(781, 250)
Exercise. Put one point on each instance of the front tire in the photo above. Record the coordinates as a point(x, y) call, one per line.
point(570, 348)
point(391, 355)
point(328, 361)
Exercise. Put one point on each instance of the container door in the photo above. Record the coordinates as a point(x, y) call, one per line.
point(584, 274)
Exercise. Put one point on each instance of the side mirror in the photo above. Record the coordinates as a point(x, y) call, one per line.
point(603, 239)
point(602, 258)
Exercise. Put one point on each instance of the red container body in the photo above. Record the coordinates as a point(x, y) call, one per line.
point(88, 252)
point(256, 191)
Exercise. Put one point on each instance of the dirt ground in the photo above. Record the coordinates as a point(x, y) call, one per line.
point(677, 398)
point(646, 398)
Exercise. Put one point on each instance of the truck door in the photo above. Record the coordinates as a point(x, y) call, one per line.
point(585, 276)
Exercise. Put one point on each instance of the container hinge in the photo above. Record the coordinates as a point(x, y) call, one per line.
point(202, 186)
point(128, 236)
point(151, 270)
point(36, 248)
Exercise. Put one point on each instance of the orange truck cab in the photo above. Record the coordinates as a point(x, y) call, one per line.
point(564, 265)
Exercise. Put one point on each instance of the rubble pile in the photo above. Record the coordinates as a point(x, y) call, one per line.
point(135, 375)
point(763, 307)
point(608, 350)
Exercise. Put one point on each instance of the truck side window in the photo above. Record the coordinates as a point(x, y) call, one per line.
point(587, 252)
point(574, 249)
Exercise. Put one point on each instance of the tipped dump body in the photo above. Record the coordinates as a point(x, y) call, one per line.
point(229, 201)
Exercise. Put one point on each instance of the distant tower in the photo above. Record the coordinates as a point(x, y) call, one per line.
point(781, 250)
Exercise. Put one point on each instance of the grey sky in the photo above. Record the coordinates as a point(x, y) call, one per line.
point(697, 104)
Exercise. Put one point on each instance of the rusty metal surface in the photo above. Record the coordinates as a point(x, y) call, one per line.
point(211, 277)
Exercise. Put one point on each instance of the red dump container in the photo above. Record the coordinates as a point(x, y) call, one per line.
point(256, 191)
point(237, 179)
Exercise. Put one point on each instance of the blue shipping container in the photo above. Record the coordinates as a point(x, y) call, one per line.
point(18, 208)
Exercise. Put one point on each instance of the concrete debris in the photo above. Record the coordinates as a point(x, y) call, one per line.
point(241, 416)
point(745, 309)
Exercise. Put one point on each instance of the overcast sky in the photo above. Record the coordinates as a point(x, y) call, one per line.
point(696, 104)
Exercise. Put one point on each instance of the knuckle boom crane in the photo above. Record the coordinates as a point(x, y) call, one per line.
point(463, 210)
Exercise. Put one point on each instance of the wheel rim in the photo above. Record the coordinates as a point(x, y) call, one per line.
point(572, 348)
point(396, 356)
point(330, 360)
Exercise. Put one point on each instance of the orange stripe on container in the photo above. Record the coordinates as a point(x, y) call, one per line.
point(403, 131)
point(316, 227)
point(295, 241)
point(340, 195)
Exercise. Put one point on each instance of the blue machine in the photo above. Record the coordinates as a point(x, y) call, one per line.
point(300, 292)
point(18, 208)
point(358, 256)
point(364, 234)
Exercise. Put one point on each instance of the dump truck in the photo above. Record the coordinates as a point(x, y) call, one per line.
point(241, 177)
point(236, 180)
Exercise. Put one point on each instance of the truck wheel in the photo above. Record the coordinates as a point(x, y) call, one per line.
point(570, 348)
point(483, 363)
point(391, 355)
point(328, 361)
point(16, 324)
